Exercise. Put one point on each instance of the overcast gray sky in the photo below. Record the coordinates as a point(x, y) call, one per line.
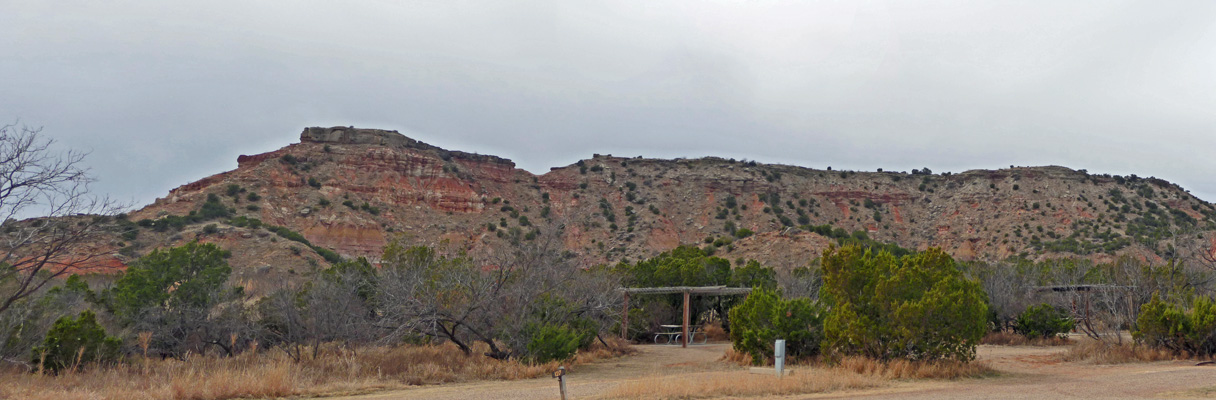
point(167, 92)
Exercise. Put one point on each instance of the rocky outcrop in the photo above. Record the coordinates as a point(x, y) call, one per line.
point(385, 138)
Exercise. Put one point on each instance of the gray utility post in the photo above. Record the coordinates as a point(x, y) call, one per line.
point(779, 356)
point(560, 374)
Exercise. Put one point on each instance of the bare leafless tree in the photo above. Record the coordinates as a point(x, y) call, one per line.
point(457, 300)
point(282, 321)
point(1190, 247)
point(338, 308)
point(1106, 298)
point(545, 285)
point(1009, 290)
point(25, 323)
point(422, 292)
point(801, 282)
point(37, 181)
point(332, 308)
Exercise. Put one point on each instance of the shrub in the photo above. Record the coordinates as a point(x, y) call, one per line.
point(243, 221)
point(1169, 326)
point(918, 307)
point(75, 341)
point(553, 342)
point(765, 317)
point(212, 209)
point(743, 232)
point(552, 329)
point(175, 293)
point(329, 255)
point(754, 275)
point(1043, 321)
point(185, 276)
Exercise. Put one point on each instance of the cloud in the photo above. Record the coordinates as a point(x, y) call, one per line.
point(166, 93)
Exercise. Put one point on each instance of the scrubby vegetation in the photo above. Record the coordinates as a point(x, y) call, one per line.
point(75, 342)
point(212, 209)
point(1043, 321)
point(918, 307)
point(765, 317)
point(180, 303)
point(1182, 329)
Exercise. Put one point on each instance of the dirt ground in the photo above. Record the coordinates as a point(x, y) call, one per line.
point(1026, 372)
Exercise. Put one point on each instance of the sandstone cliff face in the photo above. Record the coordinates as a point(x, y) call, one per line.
point(352, 190)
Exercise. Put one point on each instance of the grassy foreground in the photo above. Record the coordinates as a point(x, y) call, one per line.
point(274, 374)
point(848, 374)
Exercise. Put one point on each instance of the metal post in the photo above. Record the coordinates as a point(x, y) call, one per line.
point(686, 318)
point(779, 356)
point(560, 374)
point(625, 319)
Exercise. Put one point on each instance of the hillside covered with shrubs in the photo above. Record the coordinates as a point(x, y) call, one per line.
point(346, 193)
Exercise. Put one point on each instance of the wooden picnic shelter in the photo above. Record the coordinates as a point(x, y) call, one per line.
point(688, 291)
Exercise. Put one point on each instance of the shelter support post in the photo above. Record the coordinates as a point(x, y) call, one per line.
point(625, 319)
point(684, 341)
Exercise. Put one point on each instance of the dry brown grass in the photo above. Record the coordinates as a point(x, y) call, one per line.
point(1013, 339)
point(893, 369)
point(736, 357)
point(742, 383)
point(273, 374)
point(744, 359)
point(850, 373)
point(1098, 352)
point(714, 331)
point(201, 378)
point(809, 376)
point(904, 369)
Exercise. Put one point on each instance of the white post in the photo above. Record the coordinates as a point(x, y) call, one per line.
point(779, 356)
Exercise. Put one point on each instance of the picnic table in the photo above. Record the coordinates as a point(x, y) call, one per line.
point(671, 334)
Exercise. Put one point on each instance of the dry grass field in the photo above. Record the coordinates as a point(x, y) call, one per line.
point(1083, 369)
point(336, 371)
point(1078, 370)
